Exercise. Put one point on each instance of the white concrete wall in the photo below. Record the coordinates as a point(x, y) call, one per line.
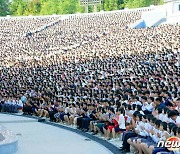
point(167, 13)
point(172, 8)
point(153, 17)
point(174, 18)
point(176, 6)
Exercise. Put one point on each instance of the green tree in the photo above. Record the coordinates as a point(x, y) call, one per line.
point(120, 4)
point(17, 7)
point(44, 8)
point(80, 9)
point(33, 8)
point(137, 3)
point(141, 3)
point(49, 7)
point(70, 6)
point(20, 10)
point(110, 5)
point(157, 2)
point(4, 10)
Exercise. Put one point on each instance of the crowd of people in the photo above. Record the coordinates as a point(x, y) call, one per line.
point(94, 73)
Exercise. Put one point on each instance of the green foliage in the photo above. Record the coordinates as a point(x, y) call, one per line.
point(33, 8)
point(49, 7)
point(141, 3)
point(110, 5)
point(70, 6)
point(4, 10)
point(137, 3)
point(120, 4)
point(157, 2)
point(17, 7)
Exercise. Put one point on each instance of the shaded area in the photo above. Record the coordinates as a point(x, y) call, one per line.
point(1, 137)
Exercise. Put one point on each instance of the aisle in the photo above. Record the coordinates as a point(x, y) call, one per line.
point(39, 138)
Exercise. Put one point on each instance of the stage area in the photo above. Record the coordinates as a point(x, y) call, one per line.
point(38, 138)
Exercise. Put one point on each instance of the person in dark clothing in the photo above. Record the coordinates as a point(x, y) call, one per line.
point(53, 109)
point(80, 119)
point(27, 108)
point(1, 104)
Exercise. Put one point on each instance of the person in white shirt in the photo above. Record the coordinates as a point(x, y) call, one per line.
point(147, 108)
point(129, 113)
point(161, 135)
point(178, 105)
point(139, 108)
point(160, 116)
point(121, 122)
point(178, 121)
point(174, 117)
point(138, 130)
point(165, 115)
point(152, 139)
point(9, 106)
point(136, 101)
point(18, 105)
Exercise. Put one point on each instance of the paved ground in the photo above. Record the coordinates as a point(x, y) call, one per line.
point(39, 138)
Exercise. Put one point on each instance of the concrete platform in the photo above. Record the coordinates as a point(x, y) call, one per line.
point(40, 138)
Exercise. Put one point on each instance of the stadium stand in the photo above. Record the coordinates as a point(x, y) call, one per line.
point(95, 73)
